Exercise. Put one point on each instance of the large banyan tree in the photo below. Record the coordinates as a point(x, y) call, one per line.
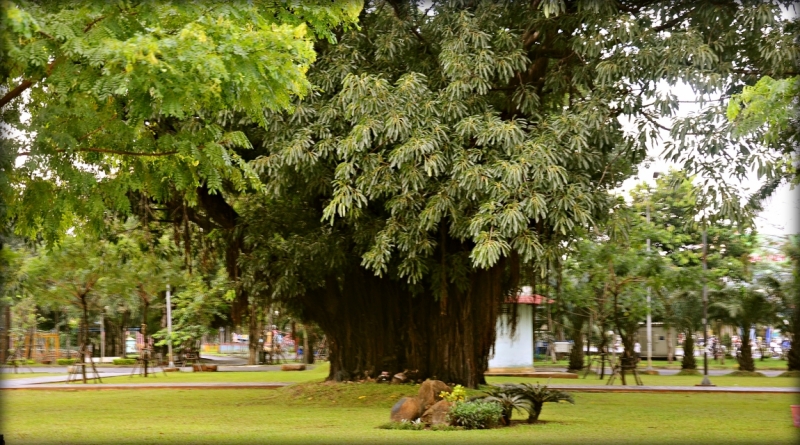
point(452, 146)
point(444, 149)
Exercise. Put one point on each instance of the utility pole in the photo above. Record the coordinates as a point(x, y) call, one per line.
point(169, 328)
point(706, 381)
point(102, 336)
point(649, 315)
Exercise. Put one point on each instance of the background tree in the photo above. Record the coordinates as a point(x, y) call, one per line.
point(70, 275)
point(744, 306)
point(687, 317)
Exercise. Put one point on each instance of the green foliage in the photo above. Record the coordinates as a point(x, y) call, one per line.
point(475, 415)
point(526, 396)
point(457, 395)
point(65, 361)
point(744, 306)
point(508, 402)
point(124, 361)
point(137, 97)
point(768, 110)
point(404, 425)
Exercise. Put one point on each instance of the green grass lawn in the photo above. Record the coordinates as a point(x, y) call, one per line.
point(350, 413)
point(659, 380)
point(27, 375)
point(319, 373)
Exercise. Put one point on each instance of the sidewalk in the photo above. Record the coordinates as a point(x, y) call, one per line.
point(103, 386)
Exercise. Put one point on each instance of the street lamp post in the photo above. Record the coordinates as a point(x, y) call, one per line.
point(169, 328)
point(649, 314)
point(102, 337)
point(706, 381)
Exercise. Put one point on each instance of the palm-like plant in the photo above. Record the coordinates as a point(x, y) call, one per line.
point(534, 396)
point(744, 307)
point(687, 312)
point(508, 401)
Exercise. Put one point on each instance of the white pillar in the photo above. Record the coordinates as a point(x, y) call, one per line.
point(169, 328)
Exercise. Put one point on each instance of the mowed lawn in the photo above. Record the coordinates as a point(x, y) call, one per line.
point(350, 413)
point(320, 372)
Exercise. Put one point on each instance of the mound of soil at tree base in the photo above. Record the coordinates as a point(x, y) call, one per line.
point(689, 372)
point(746, 374)
point(794, 374)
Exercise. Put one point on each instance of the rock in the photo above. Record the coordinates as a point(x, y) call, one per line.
point(429, 392)
point(437, 413)
point(293, 367)
point(400, 377)
point(407, 408)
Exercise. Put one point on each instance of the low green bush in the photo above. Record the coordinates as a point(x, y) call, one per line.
point(746, 374)
point(402, 426)
point(124, 361)
point(475, 415)
point(65, 361)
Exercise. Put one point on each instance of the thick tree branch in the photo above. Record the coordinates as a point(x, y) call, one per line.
point(25, 84)
point(115, 152)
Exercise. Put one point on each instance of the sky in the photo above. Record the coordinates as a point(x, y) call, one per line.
point(781, 211)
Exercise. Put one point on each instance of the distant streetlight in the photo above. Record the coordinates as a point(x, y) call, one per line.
point(169, 328)
point(706, 381)
point(649, 315)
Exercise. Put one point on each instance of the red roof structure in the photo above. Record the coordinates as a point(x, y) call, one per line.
point(526, 297)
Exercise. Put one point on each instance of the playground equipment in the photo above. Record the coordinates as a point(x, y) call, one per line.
point(43, 347)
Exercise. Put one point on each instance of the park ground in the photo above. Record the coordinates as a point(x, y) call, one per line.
point(311, 411)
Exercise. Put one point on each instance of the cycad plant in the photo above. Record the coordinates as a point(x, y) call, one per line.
point(744, 307)
point(508, 401)
point(533, 396)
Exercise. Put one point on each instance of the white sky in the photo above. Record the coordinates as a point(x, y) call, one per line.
point(780, 214)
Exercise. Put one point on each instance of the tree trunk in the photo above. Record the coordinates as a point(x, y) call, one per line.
point(536, 409)
point(745, 357)
point(377, 324)
point(576, 354)
point(793, 356)
point(308, 352)
point(254, 331)
point(84, 334)
point(670, 348)
point(143, 328)
point(688, 353)
point(4, 340)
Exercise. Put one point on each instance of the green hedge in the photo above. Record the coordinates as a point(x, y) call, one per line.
point(65, 361)
point(124, 361)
